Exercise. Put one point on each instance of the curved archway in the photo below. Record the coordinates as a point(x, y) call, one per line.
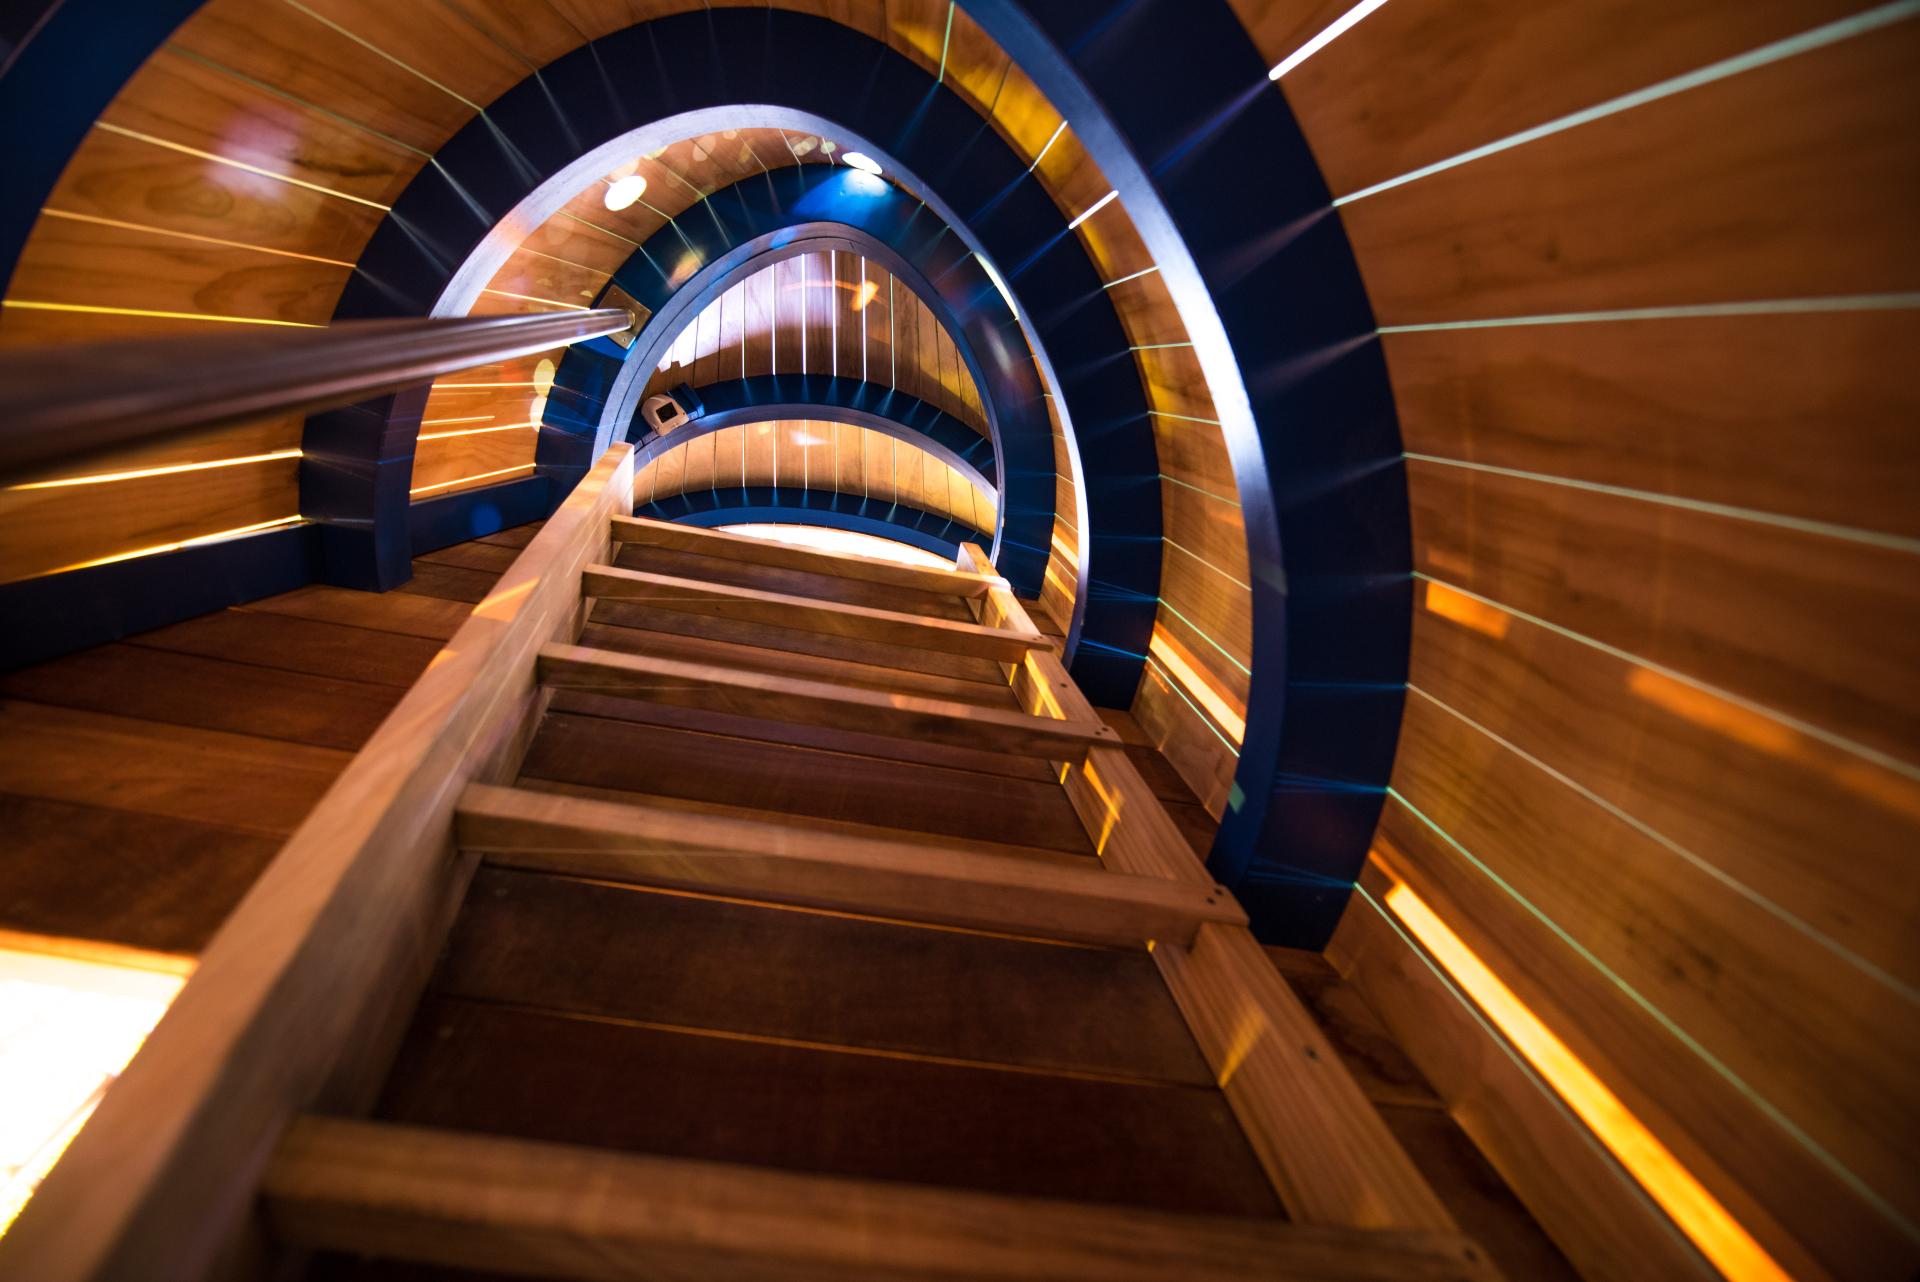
point(481, 178)
point(761, 222)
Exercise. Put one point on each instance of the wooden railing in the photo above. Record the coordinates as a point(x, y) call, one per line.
point(63, 405)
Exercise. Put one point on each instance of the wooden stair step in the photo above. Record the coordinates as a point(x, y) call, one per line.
point(470, 1201)
point(719, 543)
point(753, 859)
point(809, 614)
point(720, 688)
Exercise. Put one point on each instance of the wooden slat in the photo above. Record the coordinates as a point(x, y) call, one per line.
point(1594, 1212)
point(694, 596)
point(654, 846)
point(294, 1004)
point(1794, 198)
point(551, 1210)
point(688, 538)
point(1327, 1152)
point(830, 979)
point(817, 702)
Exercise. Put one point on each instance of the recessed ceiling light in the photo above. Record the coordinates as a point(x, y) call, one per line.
point(626, 191)
point(860, 160)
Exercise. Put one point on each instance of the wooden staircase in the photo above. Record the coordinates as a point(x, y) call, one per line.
point(713, 908)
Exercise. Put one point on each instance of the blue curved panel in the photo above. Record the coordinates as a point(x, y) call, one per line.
point(910, 525)
point(769, 397)
point(811, 65)
point(806, 209)
point(1260, 256)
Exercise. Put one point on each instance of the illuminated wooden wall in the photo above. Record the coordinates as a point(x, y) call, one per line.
point(813, 455)
point(1658, 766)
point(237, 176)
point(825, 313)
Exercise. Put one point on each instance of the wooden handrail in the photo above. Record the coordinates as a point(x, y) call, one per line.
point(300, 999)
point(62, 405)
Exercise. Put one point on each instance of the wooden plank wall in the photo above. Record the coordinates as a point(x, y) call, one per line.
point(1659, 766)
point(825, 313)
point(144, 784)
point(237, 177)
point(817, 455)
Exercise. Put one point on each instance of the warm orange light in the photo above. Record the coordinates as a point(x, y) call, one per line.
point(1714, 713)
point(1460, 608)
point(103, 478)
point(477, 476)
point(480, 431)
point(1197, 683)
point(1692, 1208)
point(865, 295)
point(216, 537)
point(534, 298)
point(68, 1026)
point(91, 310)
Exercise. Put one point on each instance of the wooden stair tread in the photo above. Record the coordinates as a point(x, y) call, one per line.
point(720, 543)
point(784, 609)
point(730, 689)
point(752, 859)
point(562, 1211)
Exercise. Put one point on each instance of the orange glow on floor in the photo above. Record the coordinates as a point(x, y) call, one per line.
point(1458, 607)
point(1692, 1208)
point(68, 1026)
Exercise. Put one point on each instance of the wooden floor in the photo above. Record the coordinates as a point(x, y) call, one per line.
point(151, 780)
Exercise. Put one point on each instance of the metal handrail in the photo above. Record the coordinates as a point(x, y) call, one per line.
point(61, 405)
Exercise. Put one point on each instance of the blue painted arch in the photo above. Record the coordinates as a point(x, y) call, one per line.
point(883, 409)
point(430, 246)
point(827, 508)
point(683, 269)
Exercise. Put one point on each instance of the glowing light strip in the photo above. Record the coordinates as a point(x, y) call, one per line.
point(1201, 633)
point(1205, 720)
point(218, 536)
point(33, 306)
point(1006, 294)
point(1698, 1213)
point(1197, 490)
point(374, 48)
point(471, 386)
point(1340, 27)
point(478, 476)
point(1093, 209)
point(530, 298)
point(1665, 1021)
point(1155, 347)
point(105, 478)
point(442, 422)
point(1669, 844)
point(1806, 41)
point(946, 42)
point(218, 159)
point(479, 431)
point(1828, 737)
point(187, 235)
point(276, 91)
point(1144, 271)
point(1210, 565)
point(1051, 139)
point(1184, 418)
point(1804, 525)
point(1768, 307)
